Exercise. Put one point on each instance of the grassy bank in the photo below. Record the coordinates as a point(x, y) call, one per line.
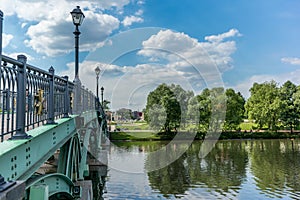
point(134, 136)
point(146, 136)
point(139, 132)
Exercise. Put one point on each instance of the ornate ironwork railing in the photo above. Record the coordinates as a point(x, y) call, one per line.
point(30, 97)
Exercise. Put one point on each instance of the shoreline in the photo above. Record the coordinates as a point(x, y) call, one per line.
point(247, 135)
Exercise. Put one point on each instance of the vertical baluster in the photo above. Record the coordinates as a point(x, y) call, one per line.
point(2, 114)
point(50, 101)
point(21, 99)
point(7, 109)
point(77, 97)
point(82, 98)
point(66, 99)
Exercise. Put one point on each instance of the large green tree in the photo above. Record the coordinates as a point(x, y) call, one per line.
point(235, 109)
point(183, 98)
point(264, 104)
point(199, 110)
point(289, 114)
point(162, 104)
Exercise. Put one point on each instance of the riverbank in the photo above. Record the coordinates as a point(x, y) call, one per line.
point(151, 136)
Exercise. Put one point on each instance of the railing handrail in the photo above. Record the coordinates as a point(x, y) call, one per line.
point(31, 67)
point(24, 89)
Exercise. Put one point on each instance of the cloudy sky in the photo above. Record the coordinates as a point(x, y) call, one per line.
point(139, 44)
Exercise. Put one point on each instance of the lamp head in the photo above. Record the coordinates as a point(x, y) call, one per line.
point(77, 16)
point(97, 70)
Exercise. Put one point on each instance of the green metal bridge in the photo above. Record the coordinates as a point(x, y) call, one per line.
point(53, 134)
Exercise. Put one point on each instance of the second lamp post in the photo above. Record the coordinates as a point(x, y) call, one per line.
point(97, 70)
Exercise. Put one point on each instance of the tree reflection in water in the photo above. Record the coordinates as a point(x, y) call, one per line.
point(222, 169)
point(234, 169)
point(276, 166)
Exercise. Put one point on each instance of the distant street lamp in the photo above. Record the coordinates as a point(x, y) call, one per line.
point(97, 70)
point(77, 16)
point(102, 89)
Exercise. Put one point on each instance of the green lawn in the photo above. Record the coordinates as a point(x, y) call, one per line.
point(134, 126)
point(247, 126)
point(134, 136)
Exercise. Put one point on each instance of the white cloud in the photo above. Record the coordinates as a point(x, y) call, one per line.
point(37, 10)
point(141, 2)
point(23, 25)
point(6, 39)
point(205, 59)
point(51, 34)
point(244, 86)
point(129, 20)
point(55, 37)
point(139, 12)
point(220, 37)
point(126, 86)
point(290, 60)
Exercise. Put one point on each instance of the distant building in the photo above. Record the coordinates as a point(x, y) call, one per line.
point(137, 115)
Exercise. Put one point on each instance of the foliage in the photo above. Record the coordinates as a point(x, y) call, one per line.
point(199, 110)
point(289, 114)
point(183, 98)
point(162, 109)
point(125, 114)
point(235, 109)
point(264, 104)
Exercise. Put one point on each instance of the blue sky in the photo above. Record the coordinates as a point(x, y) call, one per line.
point(139, 44)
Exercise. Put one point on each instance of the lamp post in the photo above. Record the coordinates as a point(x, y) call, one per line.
point(102, 89)
point(77, 17)
point(97, 70)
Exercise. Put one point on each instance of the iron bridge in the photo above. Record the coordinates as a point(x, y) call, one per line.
point(53, 134)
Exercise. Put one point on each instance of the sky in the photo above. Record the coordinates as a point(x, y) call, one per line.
point(139, 44)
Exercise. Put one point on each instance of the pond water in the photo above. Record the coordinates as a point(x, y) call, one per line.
point(234, 169)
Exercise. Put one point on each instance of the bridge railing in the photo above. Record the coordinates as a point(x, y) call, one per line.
point(30, 97)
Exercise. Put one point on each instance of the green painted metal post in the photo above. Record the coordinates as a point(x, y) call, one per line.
point(21, 100)
point(67, 99)
point(50, 101)
point(39, 192)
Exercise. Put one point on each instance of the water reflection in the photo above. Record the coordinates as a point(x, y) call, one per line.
point(236, 169)
point(276, 166)
point(222, 169)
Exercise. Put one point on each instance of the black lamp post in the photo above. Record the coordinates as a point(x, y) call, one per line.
point(97, 70)
point(102, 89)
point(77, 16)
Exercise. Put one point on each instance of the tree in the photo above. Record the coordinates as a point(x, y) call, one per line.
point(264, 104)
point(289, 114)
point(124, 113)
point(157, 117)
point(183, 98)
point(163, 98)
point(199, 110)
point(235, 110)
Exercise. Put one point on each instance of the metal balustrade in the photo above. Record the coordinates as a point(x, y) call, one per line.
point(30, 97)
